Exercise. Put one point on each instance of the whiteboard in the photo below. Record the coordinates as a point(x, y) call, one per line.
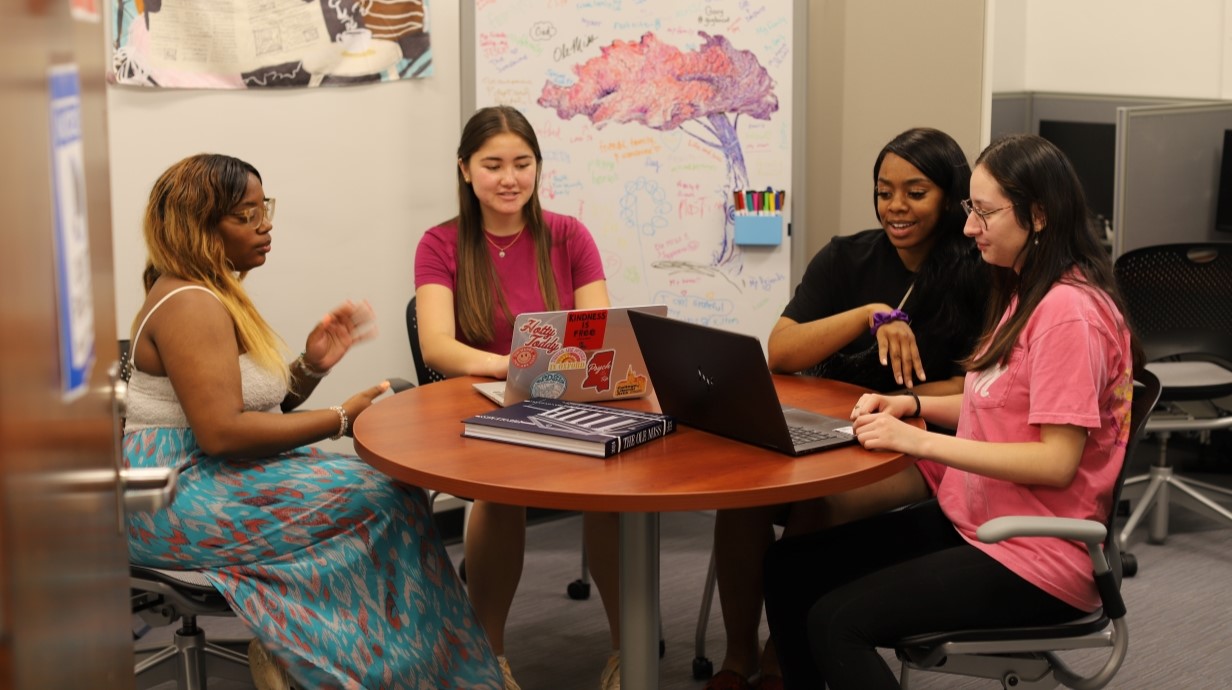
point(649, 114)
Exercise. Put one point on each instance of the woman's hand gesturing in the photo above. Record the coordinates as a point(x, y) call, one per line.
point(349, 323)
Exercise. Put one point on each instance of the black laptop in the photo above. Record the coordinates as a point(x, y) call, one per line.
point(718, 381)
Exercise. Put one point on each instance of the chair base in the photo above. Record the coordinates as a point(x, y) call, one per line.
point(190, 660)
point(1030, 673)
point(1156, 496)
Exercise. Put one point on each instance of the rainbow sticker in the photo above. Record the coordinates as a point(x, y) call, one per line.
point(567, 359)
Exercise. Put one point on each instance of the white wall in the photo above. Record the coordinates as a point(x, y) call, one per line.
point(1115, 47)
point(359, 174)
point(876, 69)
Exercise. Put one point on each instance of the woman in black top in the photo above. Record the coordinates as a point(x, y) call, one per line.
point(886, 309)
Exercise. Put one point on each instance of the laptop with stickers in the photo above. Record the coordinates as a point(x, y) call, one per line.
point(579, 355)
point(718, 381)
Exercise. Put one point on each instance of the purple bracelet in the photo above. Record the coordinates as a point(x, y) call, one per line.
point(881, 318)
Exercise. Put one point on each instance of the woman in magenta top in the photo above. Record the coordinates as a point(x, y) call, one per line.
point(503, 255)
point(1042, 424)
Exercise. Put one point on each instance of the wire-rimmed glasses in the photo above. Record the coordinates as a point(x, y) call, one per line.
point(983, 215)
point(254, 216)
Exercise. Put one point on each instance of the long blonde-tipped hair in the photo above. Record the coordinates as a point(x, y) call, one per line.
point(186, 205)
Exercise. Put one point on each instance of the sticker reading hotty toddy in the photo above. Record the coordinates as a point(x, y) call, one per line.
point(585, 329)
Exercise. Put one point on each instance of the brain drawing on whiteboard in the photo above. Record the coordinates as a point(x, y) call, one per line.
point(701, 93)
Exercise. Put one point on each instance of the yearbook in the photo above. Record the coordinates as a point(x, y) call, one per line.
point(573, 427)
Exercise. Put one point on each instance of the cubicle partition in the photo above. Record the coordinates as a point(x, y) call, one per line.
point(1167, 174)
point(1150, 166)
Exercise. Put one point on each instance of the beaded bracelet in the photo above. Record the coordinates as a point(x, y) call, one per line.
point(309, 371)
point(343, 423)
point(881, 318)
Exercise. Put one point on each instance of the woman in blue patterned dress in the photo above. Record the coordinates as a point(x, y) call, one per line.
point(338, 570)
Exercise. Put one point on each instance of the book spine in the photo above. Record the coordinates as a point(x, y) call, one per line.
point(637, 438)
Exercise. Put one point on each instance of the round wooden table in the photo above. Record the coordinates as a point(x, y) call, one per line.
point(416, 437)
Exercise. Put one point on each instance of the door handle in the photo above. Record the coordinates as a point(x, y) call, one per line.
point(144, 489)
point(147, 489)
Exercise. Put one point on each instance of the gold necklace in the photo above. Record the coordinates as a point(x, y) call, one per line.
point(500, 248)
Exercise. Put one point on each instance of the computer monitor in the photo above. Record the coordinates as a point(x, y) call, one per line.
point(1091, 147)
point(1223, 204)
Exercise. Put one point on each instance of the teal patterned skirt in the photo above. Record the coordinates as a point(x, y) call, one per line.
point(336, 568)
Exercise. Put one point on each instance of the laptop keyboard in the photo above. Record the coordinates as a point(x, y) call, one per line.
point(802, 435)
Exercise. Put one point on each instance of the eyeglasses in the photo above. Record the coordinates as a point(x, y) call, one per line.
point(983, 215)
point(254, 216)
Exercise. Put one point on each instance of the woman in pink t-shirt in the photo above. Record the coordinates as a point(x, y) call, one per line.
point(501, 256)
point(1041, 429)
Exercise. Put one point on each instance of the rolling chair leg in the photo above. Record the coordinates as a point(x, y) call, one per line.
point(1157, 496)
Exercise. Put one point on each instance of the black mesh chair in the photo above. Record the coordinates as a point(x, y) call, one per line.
point(163, 597)
point(423, 373)
point(1023, 658)
point(1179, 299)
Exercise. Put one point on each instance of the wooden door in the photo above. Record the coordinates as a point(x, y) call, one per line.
point(64, 611)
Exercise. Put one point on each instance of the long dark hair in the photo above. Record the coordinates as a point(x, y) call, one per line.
point(1040, 182)
point(477, 278)
point(953, 261)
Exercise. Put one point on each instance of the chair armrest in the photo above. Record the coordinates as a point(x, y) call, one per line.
point(1087, 531)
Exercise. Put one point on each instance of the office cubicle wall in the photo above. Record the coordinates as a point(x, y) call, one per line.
point(1167, 174)
point(1011, 114)
point(1021, 111)
point(1083, 126)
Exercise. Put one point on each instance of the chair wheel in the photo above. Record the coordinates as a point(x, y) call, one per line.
point(1129, 565)
point(703, 668)
point(662, 648)
point(462, 569)
point(578, 590)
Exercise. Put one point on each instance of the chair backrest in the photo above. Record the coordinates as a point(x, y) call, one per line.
point(1146, 396)
point(1179, 299)
point(424, 373)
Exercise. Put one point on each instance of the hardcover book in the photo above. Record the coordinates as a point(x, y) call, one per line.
point(573, 427)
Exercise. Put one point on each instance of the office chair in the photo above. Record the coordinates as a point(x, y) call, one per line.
point(1025, 657)
point(424, 374)
point(162, 597)
point(1179, 299)
point(579, 589)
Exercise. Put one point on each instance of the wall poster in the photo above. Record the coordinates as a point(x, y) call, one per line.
point(242, 44)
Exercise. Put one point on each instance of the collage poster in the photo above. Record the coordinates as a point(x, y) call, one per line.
point(244, 44)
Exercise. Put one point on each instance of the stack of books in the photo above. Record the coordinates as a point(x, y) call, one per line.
point(569, 426)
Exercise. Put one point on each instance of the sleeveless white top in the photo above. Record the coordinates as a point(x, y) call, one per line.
point(151, 399)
